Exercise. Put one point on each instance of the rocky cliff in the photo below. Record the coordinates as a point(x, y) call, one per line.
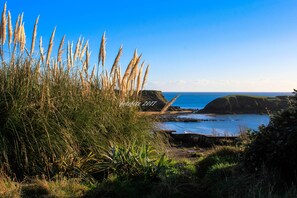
point(152, 100)
point(241, 104)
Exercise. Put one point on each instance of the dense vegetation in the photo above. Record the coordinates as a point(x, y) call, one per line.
point(64, 133)
point(274, 146)
point(56, 117)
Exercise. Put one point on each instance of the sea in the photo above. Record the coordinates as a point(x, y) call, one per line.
point(229, 124)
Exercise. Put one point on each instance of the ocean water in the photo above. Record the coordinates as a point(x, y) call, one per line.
point(198, 100)
point(216, 124)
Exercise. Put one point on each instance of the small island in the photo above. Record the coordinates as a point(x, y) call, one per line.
point(244, 104)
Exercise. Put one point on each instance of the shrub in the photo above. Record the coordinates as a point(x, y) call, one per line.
point(274, 146)
point(132, 161)
point(142, 173)
point(225, 155)
point(215, 169)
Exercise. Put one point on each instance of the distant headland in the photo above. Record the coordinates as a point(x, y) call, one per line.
point(244, 104)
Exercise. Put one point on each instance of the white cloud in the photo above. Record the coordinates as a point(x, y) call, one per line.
point(223, 85)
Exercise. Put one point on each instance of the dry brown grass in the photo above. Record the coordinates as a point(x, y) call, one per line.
point(116, 61)
point(50, 47)
point(129, 84)
point(9, 188)
point(10, 31)
point(102, 53)
point(145, 77)
point(34, 36)
point(60, 187)
point(60, 50)
point(164, 109)
point(3, 25)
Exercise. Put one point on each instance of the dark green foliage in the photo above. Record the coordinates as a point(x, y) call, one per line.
point(134, 161)
point(221, 155)
point(177, 181)
point(119, 188)
point(215, 169)
point(275, 146)
point(34, 191)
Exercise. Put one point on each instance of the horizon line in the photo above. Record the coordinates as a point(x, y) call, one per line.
point(222, 91)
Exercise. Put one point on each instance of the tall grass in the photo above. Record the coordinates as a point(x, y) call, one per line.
point(54, 111)
point(8, 188)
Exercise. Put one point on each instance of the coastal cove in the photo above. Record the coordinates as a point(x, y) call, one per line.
point(215, 124)
point(89, 106)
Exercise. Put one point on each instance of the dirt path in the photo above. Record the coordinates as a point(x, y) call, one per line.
point(186, 153)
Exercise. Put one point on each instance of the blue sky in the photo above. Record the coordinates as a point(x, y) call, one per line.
point(191, 45)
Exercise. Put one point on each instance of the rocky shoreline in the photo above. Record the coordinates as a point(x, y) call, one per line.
point(175, 118)
point(201, 140)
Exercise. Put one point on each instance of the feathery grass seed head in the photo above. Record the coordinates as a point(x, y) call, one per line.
point(34, 36)
point(102, 52)
point(10, 30)
point(50, 47)
point(60, 50)
point(145, 77)
point(3, 25)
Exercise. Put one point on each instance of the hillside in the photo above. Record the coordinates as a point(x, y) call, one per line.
point(153, 100)
point(242, 104)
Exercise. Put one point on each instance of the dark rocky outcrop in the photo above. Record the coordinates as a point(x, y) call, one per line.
point(241, 104)
point(152, 100)
point(176, 118)
point(201, 140)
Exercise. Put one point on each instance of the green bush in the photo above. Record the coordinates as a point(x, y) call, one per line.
point(220, 155)
point(141, 173)
point(132, 161)
point(275, 146)
point(215, 169)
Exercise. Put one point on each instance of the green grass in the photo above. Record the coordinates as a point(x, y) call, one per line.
point(221, 173)
point(234, 96)
point(224, 176)
point(218, 156)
